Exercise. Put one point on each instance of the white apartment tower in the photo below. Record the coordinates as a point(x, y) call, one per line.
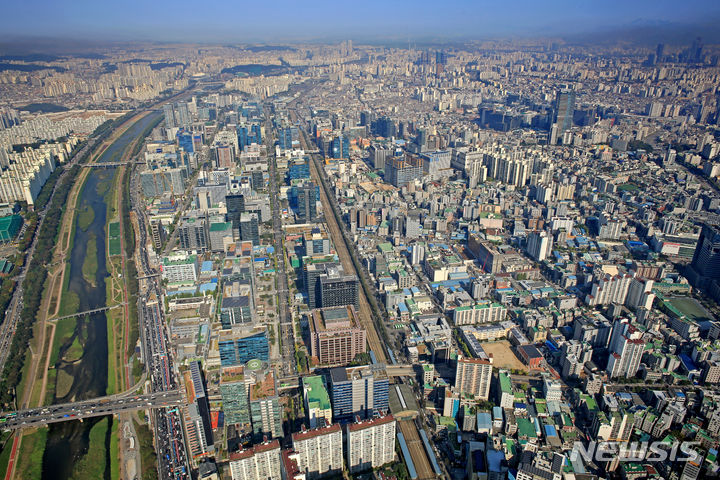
point(319, 451)
point(473, 376)
point(370, 443)
point(260, 462)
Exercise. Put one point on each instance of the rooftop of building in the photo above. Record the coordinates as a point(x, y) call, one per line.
point(475, 361)
point(334, 318)
point(505, 384)
point(264, 387)
point(343, 374)
point(179, 260)
point(316, 432)
point(260, 448)
point(233, 374)
point(316, 392)
point(220, 226)
point(373, 422)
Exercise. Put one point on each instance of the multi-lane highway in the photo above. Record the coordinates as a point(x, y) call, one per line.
point(96, 407)
point(286, 333)
point(156, 352)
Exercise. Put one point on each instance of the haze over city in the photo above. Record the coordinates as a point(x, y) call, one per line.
point(374, 20)
point(376, 240)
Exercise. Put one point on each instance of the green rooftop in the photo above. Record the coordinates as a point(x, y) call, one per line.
point(9, 227)
point(220, 226)
point(385, 247)
point(589, 402)
point(189, 260)
point(505, 384)
point(526, 428)
point(446, 421)
point(316, 393)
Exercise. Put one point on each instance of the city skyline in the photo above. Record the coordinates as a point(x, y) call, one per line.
point(371, 21)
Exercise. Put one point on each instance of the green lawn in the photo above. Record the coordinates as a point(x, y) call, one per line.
point(31, 453)
point(114, 452)
point(24, 375)
point(90, 264)
point(6, 439)
point(64, 330)
point(50, 388)
point(63, 383)
point(147, 452)
point(691, 308)
point(114, 246)
point(112, 360)
point(93, 464)
point(628, 187)
point(74, 351)
point(114, 229)
point(85, 217)
point(69, 300)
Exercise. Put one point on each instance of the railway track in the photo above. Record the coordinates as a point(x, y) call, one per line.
point(364, 311)
point(417, 450)
point(407, 427)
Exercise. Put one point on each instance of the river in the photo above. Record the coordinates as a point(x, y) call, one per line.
point(68, 442)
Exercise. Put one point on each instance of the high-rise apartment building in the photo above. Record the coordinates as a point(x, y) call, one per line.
point(609, 289)
point(193, 233)
point(473, 376)
point(379, 154)
point(313, 268)
point(197, 416)
point(370, 443)
point(626, 349)
point(640, 293)
point(169, 115)
point(319, 451)
point(235, 204)
point(157, 232)
point(539, 246)
point(249, 230)
point(261, 462)
point(706, 260)
point(307, 196)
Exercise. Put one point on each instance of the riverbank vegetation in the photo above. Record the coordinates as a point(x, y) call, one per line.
point(90, 264)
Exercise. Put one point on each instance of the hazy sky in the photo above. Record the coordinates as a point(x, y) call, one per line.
point(276, 20)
